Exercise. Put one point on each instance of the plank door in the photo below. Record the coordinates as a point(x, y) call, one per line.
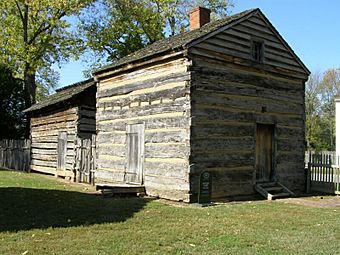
point(62, 148)
point(135, 153)
point(264, 152)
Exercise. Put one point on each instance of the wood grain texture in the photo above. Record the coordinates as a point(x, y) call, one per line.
point(228, 102)
point(236, 42)
point(201, 112)
point(158, 97)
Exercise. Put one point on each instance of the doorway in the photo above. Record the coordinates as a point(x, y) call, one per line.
point(62, 149)
point(135, 153)
point(264, 162)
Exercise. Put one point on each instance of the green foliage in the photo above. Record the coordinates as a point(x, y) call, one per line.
point(113, 29)
point(34, 35)
point(321, 90)
point(12, 120)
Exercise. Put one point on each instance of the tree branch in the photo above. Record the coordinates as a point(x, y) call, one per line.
point(109, 51)
point(20, 12)
point(24, 20)
point(42, 28)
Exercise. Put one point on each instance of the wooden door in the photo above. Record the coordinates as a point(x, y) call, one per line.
point(264, 152)
point(135, 153)
point(62, 148)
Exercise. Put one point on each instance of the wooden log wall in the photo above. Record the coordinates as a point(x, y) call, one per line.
point(231, 93)
point(86, 122)
point(227, 103)
point(44, 135)
point(158, 96)
point(235, 44)
point(225, 112)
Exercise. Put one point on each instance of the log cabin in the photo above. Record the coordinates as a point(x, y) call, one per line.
point(226, 97)
point(56, 123)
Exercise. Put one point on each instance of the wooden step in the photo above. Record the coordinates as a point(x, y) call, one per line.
point(267, 184)
point(276, 188)
point(273, 190)
point(114, 189)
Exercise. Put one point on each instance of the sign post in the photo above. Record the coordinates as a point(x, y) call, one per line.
point(204, 195)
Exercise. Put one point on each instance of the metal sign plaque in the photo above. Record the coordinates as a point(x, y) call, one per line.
point(204, 195)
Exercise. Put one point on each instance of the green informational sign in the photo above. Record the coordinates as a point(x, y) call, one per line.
point(204, 195)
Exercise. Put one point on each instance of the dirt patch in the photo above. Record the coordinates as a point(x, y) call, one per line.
point(315, 201)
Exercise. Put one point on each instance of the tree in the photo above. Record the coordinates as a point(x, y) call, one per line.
point(330, 86)
point(113, 29)
point(35, 34)
point(320, 92)
point(312, 109)
point(12, 124)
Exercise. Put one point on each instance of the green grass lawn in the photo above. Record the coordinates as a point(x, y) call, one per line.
point(40, 215)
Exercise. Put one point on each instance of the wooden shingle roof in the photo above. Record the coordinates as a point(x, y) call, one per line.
point(177, 42)
point(62, 95)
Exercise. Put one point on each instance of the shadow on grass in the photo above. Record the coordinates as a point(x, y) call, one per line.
point(24, 208)
point(14, 170)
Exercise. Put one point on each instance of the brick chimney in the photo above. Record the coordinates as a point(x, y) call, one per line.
point(198, 17)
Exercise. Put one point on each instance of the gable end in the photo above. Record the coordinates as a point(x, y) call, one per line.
point(237, 40)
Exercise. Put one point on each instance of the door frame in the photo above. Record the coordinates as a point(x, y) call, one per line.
point(62, 149)
point(273, 174)
point(141, 142)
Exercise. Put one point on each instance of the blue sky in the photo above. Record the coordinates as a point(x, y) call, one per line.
point(311, 28)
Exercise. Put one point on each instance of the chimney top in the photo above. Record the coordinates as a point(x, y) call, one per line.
point(199, 16)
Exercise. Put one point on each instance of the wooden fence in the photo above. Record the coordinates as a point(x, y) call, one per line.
point(323, 173)
point(85, 159)
point(15, 154)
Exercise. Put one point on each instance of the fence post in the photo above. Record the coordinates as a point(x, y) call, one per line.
point(337, 177)
point(309, 173)
point(28, 155)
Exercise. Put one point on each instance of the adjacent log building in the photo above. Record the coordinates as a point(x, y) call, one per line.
point(226, 97)
point(56, 123)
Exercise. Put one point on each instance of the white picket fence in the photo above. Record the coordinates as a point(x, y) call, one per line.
point(323, 173)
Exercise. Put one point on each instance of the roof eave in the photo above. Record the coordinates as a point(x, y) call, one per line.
point(65, 103)
point(214, 32)
point(37, 107)
point(283, 41)
point(237, 21)
point(160, 56)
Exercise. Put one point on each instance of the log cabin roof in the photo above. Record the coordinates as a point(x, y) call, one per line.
point(176, 42)
point(62, 95)
point(187, 39)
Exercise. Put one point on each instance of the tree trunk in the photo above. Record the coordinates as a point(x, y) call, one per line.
point(30, 92)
